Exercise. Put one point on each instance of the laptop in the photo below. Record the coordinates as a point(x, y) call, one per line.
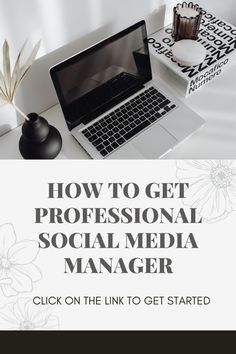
point(112, 105)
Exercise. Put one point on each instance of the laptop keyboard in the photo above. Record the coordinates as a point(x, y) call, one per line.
point(123, 124)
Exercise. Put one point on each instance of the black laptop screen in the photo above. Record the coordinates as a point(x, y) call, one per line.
point(94, 81)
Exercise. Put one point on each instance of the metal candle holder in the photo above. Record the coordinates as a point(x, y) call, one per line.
point(187, 20)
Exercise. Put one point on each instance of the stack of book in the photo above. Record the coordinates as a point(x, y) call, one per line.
point(217, 36)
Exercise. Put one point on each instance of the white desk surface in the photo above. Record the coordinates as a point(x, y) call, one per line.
point(216, 103)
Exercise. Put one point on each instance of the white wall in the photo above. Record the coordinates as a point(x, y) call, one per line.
point(58, 22)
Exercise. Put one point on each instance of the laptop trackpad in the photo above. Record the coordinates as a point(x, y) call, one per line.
point(155, 142)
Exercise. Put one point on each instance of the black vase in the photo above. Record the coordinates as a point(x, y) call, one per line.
point(39, 140)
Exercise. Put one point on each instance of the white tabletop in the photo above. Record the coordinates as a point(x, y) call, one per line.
point(216, 103)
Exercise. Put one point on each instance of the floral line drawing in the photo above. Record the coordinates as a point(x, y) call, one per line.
point(24, 315)
point(212, 187)
point(17, 270)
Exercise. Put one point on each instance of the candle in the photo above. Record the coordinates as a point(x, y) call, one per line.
point(188, 52)
point(187, 12)
point(187, 20)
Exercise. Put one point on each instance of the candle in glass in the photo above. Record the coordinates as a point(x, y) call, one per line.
point(187, 20)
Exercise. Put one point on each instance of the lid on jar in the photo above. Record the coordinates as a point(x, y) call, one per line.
point(188, 52)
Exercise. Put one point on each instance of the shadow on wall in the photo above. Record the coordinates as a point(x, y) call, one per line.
point(4, 128)
point(37, 92)
point(156, 19)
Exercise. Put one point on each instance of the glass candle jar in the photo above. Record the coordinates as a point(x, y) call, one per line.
point(187, 20)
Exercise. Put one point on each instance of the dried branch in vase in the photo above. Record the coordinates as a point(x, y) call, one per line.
point(10, 80)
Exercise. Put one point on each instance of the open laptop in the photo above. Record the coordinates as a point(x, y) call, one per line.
point(112, 106)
